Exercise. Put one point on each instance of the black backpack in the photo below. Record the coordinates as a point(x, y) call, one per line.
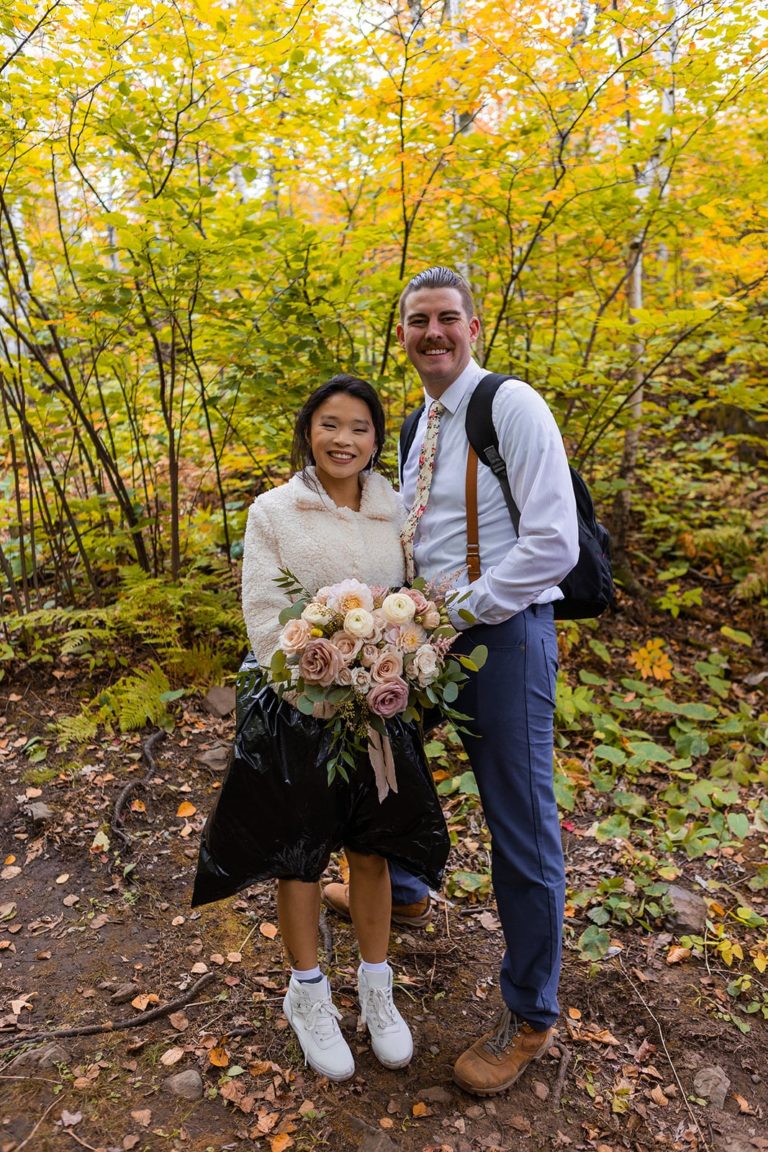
point(588, 588)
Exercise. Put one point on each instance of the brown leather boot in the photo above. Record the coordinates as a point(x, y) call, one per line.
point(336, 897)
point(496, 1060)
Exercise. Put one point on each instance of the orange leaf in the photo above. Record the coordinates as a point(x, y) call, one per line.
point(186, 809)
point(144, 1000)
point(677, 954)
point(219, 1056)
point(744, 1105)
point(281, 1142)
point(421, 1109)
point(574, 1013)
point(138, 806)
point(268, 930)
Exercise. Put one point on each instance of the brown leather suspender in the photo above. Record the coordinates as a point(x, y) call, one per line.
point(473, 533)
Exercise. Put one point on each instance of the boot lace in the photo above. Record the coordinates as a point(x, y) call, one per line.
point(378, 1009)
point(506, 1030)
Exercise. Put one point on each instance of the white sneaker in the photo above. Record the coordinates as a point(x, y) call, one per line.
point(314, 1019)
point(390, 1035)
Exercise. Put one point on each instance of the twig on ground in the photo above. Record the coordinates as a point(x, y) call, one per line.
point(565, 1059)
point(80, 1141)
point(140, 782)
point(27, 1139)
point(110, 1025)
point(326, 935)
point(678, 1081)
point(242, 946)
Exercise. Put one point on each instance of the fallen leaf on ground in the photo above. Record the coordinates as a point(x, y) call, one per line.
point(172, 1056)
point(219, 1056)
point(744, 1105)
point(677, 954)
point(281, 1142)
point(142, 1116)
point(186, 809)
point(69, 1119)
point(178, 1021)
point(143, 1001)
point(421, 1109)
point(268, 930)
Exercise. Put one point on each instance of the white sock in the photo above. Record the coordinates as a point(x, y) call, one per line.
point(307, 976)
point(366, 967)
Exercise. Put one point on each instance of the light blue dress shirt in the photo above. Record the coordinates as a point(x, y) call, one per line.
point(515, 571)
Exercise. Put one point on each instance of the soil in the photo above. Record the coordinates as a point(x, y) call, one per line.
point(96, 928)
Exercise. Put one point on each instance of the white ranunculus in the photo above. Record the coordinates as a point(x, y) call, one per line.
point(359, 623)
point(398, 608)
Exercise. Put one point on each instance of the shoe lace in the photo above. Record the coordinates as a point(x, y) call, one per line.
point(321, 1019)
point(506, 1030)
point(378, 1008)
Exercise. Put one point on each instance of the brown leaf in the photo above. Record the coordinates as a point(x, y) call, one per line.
point(421, 1109)
point(142, 1116)
point(130, 1142)
point(178, 1021)
point(69, 1119)
point(744, 1105)
point(171, 1056)
point(658, 1097)
point(268, 930)
point(261, 1067)
point(138, 806)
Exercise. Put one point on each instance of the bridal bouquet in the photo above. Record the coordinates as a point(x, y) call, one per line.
point(357, 655)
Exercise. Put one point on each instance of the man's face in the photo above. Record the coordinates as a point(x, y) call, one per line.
point(437, 336)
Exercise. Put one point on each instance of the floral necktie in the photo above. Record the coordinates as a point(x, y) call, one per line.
point(423, 482)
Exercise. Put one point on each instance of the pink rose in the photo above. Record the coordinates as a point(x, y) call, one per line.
point(388, 699)
point(418, 598)
point(431, 617)
point(320, 662)
point(347, 645)
point(295, 636)
point(369, 654)
point(345, 677)
point(389, 666)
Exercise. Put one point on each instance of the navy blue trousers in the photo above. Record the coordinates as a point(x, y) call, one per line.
point(512, 702)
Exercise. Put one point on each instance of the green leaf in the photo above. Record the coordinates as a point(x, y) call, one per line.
point(616, 827)
point(736, 635)
point(468, 784)
point(607, 752)
point(738, 823)
point(305, 705)
point(479, 655)
point(450, 692)
point(291, 612)
point(593, 943)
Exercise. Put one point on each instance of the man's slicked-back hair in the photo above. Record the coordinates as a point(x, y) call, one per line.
point(439, 277)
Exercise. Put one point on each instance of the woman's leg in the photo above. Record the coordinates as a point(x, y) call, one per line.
point(370, 904)
point(298, 913)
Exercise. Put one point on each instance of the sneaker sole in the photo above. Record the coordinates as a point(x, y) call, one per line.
point(475, 1091)
point(337, 1077)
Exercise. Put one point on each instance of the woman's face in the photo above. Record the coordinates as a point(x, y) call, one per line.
point(342, 437)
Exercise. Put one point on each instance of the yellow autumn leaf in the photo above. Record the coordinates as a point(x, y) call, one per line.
point(186, 809)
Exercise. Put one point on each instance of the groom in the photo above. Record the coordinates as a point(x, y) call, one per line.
point(511, 699)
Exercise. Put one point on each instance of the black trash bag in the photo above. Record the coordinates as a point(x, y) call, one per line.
point(277, 816)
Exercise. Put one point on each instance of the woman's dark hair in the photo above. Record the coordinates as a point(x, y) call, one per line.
point(301, 452)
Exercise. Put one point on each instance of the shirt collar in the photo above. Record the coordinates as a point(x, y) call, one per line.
point(454, 394)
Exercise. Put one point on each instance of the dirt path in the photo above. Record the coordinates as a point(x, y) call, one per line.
point(93, 931)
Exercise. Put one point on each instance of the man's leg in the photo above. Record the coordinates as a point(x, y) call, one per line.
point(512, 702)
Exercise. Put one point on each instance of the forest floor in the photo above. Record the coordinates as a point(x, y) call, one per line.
point(654, 1049)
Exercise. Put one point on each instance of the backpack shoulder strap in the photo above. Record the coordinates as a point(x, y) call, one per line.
point(481, 434)
point(407, 433)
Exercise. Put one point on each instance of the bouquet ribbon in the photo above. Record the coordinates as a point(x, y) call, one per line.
point(382, 762)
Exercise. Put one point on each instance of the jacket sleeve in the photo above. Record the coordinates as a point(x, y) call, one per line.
point(262, 599)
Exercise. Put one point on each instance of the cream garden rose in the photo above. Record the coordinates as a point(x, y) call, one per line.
point(398, 608)
point(316, 614)
point(425, 665)
point(350, 594)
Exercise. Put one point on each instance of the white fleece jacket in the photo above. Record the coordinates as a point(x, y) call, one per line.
point(296, 528)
